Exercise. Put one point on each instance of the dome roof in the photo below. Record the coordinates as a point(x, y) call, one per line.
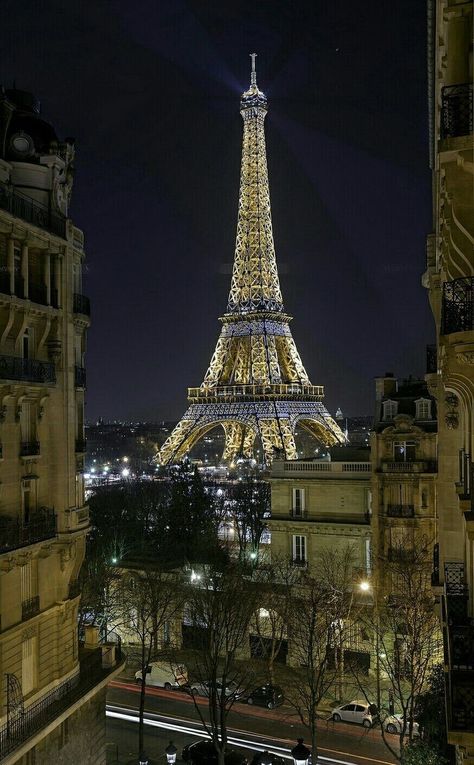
point(26, 135)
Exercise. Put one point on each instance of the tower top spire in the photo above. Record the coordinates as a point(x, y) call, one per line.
point(253, 73)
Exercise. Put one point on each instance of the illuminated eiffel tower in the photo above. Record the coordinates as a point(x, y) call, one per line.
point(256, 384)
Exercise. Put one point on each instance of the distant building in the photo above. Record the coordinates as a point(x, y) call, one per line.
point(52, 692)
point(404, 468)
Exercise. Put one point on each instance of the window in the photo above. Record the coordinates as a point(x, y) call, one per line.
point(390, 409)
point(423, 409)
point(28, 422)
point(403, 451)
point(28, 665)
point(26, 344)
point(298, 502)
point(79, 489)
point(28, 498)
point(299, 548)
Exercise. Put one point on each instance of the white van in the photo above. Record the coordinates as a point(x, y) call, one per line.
point(164, 675)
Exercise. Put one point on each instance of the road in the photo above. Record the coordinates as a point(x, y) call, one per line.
point(171, 715)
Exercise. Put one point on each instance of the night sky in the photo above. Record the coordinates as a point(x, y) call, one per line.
point(150, 90)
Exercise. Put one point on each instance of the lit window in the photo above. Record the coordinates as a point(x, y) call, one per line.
point(403, 451)
point(423, 409)
point(390, 409)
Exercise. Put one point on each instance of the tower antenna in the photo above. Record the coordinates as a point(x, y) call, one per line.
point(253, 75)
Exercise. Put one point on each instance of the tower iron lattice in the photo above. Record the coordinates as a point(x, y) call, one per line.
point(256, 384)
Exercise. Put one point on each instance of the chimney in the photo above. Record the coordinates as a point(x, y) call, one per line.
point(385, 386)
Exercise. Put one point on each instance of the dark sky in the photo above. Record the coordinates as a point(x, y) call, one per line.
point(150, 89)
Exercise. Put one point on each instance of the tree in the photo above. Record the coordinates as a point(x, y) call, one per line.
point(249, 506)
point(220, 603)
point(322, 599)
point(275, 584)
point(421, 753)
point(430, 712)
point(407, 641)
point(149, 599)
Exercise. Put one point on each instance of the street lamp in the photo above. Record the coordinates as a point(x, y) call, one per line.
point(170, 752)
point(300, 753)
point(143, 759)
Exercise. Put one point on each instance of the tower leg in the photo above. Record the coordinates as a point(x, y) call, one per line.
point(249, 440)
point(277, 434)
point(234, 433)
point(174, 443)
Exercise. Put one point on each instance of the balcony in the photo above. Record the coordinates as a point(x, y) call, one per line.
point(299, 562)
point(27, 370)
point(29, 449)
point(30, 608)
point(81, 446)
point(221, 393)
point(79, 377)
point(459, 650)
point(456, 110)
point(21, 206)
point(15, 534)
point(458, 314)
point(388, 466)
point(81, 304)
point(400, 511)
point(94, 671)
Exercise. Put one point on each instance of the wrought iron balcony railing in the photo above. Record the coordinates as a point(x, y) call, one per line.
point(29, 448)
point(30, 608)
point(458, 299)
point(456, 110)
point(401, 511)
point(299, 562)
point(417, 466)
point(222, 392)
point(79, 377)
point(81, 304)
point(23, 207)
point(15, 534)
point(30, 370)
point(24, 723)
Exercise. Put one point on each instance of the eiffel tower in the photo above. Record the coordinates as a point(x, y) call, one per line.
point(256, 384)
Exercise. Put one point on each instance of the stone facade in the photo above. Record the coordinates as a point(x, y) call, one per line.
point(43, 515)
point(449, 278)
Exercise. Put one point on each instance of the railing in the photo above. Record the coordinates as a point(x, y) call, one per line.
point(401, 511)
point(37, 293)
point(205, 393)
point(431, 359)
point(299, 562)
point(79, 377)
point(456, 110)
point(48, 708)
point(80, 445)
point(81, 304)
point(23, 207)
point(458, 314)
point(343, 518)
point(458, 636)
point(297, 466)
point(29, 448)
point(30, 370)
point(409, 467)
point(15, 534)
point(298, 512)
point(30, 608)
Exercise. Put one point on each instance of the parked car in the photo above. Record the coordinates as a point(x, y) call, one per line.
point(164, 675)
point(358, 711)
point(202, 688)
point(394, 724)
point(203, 753)
point(269, 696)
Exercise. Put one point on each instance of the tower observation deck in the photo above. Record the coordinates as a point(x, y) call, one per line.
point(256, 384)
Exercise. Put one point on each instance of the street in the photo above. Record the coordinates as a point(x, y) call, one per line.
point(171, 715)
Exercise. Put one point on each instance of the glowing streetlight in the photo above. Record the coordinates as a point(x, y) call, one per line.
point(364, 586)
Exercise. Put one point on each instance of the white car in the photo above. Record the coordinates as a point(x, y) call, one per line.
point(394, 724)
point(358, 711)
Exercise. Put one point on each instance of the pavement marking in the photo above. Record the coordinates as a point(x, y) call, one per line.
point(192, 731)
